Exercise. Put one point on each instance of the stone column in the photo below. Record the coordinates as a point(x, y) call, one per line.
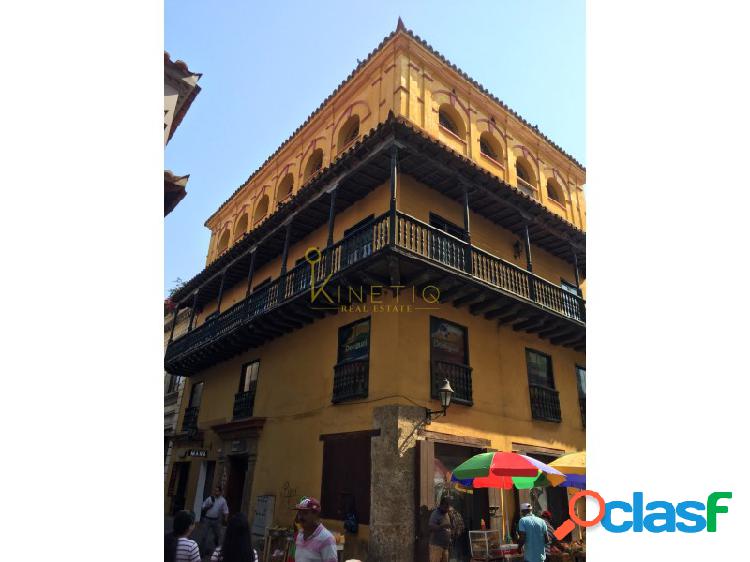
point(392, 488)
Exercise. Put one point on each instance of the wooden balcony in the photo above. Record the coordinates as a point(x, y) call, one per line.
point(417, 255)
point(350, 380)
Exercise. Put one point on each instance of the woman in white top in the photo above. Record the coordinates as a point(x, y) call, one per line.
point(237, 546)
point(177, 546)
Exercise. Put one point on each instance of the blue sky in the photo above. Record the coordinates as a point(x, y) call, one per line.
point(266, 66)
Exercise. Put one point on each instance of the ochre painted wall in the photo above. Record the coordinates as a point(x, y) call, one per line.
point(296, 381)
point(407, 79)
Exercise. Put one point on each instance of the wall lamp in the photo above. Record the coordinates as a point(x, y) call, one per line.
point(446, 393)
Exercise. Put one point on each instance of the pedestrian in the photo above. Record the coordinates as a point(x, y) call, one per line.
point(441, 531)
point(532, 535)
point(551, 540)
point(215, 511)
point(237, 545)
point(177, 546)
point(314, 543)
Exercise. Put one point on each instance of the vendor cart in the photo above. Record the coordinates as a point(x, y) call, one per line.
point(486, 545)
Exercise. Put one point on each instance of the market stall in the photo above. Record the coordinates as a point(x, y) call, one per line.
point(506, 471)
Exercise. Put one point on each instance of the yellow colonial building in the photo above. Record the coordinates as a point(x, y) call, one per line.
point(413, 229)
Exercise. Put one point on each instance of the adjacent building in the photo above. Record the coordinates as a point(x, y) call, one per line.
point(180, 88)
point(414, 229)
point(173, 384)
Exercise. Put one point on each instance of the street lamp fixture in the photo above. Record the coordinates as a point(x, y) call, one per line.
point(446, 393)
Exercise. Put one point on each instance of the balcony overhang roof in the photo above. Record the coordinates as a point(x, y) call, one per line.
point(364, 166)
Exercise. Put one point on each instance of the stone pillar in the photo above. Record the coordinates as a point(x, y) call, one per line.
point(393, 481)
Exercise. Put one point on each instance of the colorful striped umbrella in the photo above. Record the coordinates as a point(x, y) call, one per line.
point(505, 471)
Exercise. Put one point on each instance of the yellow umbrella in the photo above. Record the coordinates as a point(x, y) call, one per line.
point(573, 466)
point(572, 463)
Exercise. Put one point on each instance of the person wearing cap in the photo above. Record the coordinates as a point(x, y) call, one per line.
point(532, 535)
point(314, 543)
point(441, 531)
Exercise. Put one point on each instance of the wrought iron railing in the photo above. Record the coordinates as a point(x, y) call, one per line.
point(243, 405)
point(458, 375)
point(545, 403)
point(350, 380)
point(190, 419)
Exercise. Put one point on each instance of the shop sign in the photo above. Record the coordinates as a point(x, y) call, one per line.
point(198, 453)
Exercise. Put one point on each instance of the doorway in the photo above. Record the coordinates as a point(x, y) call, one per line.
point(203, 487)
point(236, 483)
point(471, 507)
point(180, 473)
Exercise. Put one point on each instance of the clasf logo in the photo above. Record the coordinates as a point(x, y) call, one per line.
point(653, 517)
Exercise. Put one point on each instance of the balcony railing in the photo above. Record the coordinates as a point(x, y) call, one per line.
point(294, 282)
point(527, 188)
point(243, 405)
point(412, 235)
point(458, 375)
point(434, 244)
point(545, 403)
point(350, 380)
point(430, 242)
point(190, 419)
point(582, 405)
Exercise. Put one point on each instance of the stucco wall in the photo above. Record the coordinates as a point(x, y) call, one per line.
point(407, 79)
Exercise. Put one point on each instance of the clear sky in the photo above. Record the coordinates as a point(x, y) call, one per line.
point(267, 65)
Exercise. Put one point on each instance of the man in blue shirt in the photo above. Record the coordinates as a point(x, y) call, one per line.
point(532, 535)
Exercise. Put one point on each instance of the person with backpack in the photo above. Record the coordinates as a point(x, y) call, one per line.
point(177, 546)
point(237, 546)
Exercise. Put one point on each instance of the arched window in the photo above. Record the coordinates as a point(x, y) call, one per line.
point(554, 191)
point(261, 210)
point(490, 146)
point(241, 227)
point(223, 242)
point(285, 187)
point(314, 163)
point(348, 132)
point(449, 119)
point(526, 178)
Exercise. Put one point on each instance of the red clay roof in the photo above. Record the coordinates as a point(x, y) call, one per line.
point(181, 67)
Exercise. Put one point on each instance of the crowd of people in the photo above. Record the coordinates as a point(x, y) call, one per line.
point(535, 534)
point(312, 541)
